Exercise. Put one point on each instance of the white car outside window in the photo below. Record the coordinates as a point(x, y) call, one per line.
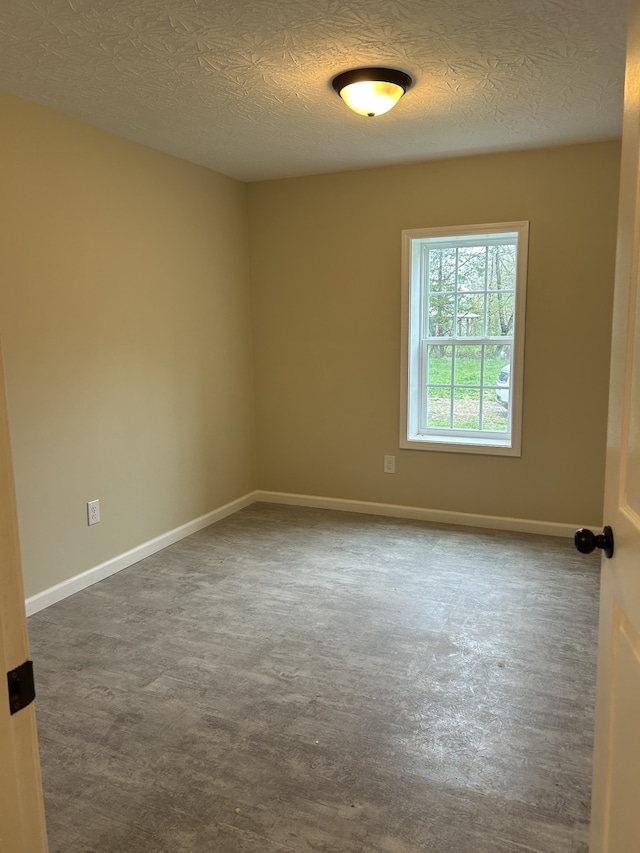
point(504, 384)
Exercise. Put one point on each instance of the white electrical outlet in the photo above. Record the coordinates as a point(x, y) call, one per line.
point(93, 512)
point(389, 464)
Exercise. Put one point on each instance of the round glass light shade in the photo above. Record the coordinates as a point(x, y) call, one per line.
point(371, 97)
point(371, 91)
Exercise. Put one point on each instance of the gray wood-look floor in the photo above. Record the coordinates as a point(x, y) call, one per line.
point(305, 680)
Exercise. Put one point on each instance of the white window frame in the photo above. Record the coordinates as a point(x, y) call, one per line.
point(446, 439)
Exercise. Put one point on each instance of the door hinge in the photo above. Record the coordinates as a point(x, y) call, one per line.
point(22, 688)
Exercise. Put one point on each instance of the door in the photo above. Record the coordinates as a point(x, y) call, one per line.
point(615, 822)
point(22, 826)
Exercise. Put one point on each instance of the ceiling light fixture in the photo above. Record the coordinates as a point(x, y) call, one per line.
point(371, 91)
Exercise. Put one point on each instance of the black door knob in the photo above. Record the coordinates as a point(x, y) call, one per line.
point(587, 541)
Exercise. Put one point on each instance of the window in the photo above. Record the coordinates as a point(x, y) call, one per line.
point(463, 337)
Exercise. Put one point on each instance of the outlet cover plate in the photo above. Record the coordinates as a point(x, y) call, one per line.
point(93, 512)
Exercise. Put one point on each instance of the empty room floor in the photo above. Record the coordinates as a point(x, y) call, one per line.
point(294, 679)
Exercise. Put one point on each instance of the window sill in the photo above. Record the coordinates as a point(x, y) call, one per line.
point(454, 444)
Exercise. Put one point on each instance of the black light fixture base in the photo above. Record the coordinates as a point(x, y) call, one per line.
point(358, 75)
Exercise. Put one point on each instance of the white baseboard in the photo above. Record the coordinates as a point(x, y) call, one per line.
point(123, 561)
point(62, 590)
point(465, 519)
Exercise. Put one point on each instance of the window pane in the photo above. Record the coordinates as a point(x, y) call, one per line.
point(503, 382)
point(470, 321)
point(466, 412)
point(471, 267)
point(496, 358)
point(495, 418)
point(440, 315)
point(439, 365)
point(438, 407)
point(468, 365)
point(442, 270)
point(502, 267)
point(500, 313)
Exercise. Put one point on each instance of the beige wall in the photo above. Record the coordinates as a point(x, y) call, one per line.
point(325, 265)
point(125, 322)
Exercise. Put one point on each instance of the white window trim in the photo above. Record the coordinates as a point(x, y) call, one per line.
point(445, 441)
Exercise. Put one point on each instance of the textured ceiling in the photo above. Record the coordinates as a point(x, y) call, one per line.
point(243, 86)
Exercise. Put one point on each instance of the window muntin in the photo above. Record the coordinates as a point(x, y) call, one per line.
point(463, 319)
